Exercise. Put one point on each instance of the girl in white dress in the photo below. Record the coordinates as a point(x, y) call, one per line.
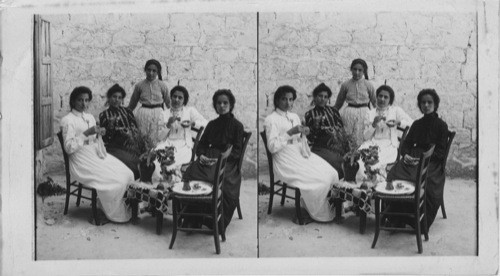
point(180, 118)
point(380, 126)
point(108, 175)
point(312, 175)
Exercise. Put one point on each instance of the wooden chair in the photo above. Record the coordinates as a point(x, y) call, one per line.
point(400, 147)
point(181, 205)
point(196, 141)
point(79, 186)
point(246, 138)
point(451, 136)
point(283, 186)
point(418, 199)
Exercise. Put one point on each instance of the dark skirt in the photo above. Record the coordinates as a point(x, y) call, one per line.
point(127, 158)
point(230, 187)
point(332, 157)
point(433, 191)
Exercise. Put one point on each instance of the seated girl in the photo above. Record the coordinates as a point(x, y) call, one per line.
point(105, 173)
point(119, 122)
point(424, 132)
point(218, 135)
point(291, 162)
point(180, 118)
point(320, 119)
point(381, 127)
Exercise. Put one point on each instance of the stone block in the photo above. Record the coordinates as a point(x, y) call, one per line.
point(159, 37)
point(409, 53)
point(449, 71)
point(470, 118)
point(409, 69)
point(366, 37)
point(387, 69)
point(430, 71)
point(334, 36)
point(463, 136)
point(225, 55)
point(454, 118)
point(308, 68)
point(468, 71)
point(128, 37)
point(455, 55)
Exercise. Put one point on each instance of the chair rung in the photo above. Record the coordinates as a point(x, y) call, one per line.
point(287, 196)
point(397, 214)
point(397, 229)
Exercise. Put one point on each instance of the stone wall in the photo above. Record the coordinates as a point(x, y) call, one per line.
point(203, 52)
point(410, 51)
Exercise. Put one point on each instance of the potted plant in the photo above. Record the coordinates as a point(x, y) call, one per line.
point(345, 144)
point(143, 146)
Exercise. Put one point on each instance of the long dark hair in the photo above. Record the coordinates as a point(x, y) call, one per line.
point(362, 63)
point(155, 63)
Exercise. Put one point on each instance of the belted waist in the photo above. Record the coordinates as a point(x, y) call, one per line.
point(358, 105)
point(152, 105)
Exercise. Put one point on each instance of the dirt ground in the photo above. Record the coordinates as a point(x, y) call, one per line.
point(454, 236)
point(72, 237)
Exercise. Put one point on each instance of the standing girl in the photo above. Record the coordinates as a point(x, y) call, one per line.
point(358, 92)
point(151, 93)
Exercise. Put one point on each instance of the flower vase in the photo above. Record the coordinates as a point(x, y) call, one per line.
point(350, 171)
point(146, 172)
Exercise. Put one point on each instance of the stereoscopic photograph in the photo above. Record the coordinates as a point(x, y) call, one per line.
point(174, 138)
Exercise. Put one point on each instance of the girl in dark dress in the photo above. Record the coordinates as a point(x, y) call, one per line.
point(428, 130)
point(218, 135)
point(119, 123)
point(319, 119)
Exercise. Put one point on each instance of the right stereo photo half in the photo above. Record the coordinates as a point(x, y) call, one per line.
point(368, 134)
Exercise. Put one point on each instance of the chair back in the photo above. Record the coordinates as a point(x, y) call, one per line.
point(246, 138)
point(451, 136)
point(219, 178)
point(401, 140)
point(421, 181)
point(196, 140)
point(66, 159)
point(269, 156)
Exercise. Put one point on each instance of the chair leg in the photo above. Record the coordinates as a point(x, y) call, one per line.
point(362, 221)
point(297, 207)
point(176, 222)
point(377, 222)
point(79, 195)
point(426, 228)
point(223, 224)
point(134, 203)
point(419, 232)
point(337, 202)
point(159, 221)
point(271, 196)
point(66, 203)
point(94, 207)
point(283, 195)
point(216, 233)
point(443, 210)
point(238, 208)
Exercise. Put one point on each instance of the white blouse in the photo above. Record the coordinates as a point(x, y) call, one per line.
point(276, 126)
point(392, 113)
point(177, 131)
point(73, 125)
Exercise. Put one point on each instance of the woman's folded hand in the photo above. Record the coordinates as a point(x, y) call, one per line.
point(409, 160)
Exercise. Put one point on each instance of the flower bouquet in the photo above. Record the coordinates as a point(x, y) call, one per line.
point(372, 166)
point(345, 144)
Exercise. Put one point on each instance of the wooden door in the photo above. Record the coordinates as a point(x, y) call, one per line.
point(44, 133)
